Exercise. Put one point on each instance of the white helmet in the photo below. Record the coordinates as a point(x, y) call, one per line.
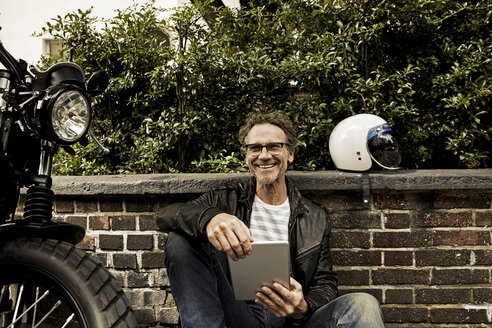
point(360, 139)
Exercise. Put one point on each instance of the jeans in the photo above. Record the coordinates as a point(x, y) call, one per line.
point(205, 297)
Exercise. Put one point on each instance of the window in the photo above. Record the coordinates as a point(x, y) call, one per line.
point(52, 47)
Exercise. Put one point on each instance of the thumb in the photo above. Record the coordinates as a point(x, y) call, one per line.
point(294, 285)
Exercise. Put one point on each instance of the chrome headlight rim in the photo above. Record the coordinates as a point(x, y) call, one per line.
point(50, 106)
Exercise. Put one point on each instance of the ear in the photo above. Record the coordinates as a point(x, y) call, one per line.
point(291, 156)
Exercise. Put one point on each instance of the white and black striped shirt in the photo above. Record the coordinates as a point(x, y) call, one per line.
point(270, 222)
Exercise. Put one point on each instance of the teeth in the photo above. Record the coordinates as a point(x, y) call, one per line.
point(265, 166)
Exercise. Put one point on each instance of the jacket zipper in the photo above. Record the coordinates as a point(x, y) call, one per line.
point(307, 251)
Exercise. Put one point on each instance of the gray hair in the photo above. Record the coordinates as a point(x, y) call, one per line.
point(277, 118)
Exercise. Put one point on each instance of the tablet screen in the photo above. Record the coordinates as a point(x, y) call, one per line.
point(269, 261)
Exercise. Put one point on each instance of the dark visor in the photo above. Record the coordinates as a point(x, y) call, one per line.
point(383, 147)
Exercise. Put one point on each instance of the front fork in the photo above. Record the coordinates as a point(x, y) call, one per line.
point(39, 207)
point(39, 196)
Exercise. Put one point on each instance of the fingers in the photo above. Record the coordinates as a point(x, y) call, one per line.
point(227, 233)
point(281, 301)
point(284, 291)
point(273, 302)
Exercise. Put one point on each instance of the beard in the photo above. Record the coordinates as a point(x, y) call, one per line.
point(267, 180)
point(271, 177)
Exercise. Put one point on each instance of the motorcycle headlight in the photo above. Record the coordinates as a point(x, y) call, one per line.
point(64, 114)
point(70, 115)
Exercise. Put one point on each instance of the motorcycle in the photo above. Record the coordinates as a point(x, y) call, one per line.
point(45, 281)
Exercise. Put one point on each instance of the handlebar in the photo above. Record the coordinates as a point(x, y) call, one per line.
point(10, 63)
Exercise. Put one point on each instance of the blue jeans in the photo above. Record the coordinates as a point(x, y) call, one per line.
point(205, 297)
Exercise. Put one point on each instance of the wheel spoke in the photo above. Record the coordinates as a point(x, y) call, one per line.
point(69, 319)
point(17, 304)
point(48, 314)
point(36, 306)
point(29, 308)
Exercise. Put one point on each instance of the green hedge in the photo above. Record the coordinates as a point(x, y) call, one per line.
point(424, 66)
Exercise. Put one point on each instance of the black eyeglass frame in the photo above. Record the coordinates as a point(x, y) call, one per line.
point(267, 146)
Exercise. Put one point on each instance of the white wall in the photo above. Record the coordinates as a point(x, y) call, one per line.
point(20, 18)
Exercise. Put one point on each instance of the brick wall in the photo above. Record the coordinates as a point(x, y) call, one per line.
point(421, 246)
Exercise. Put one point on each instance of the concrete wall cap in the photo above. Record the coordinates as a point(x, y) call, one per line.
point(160, 184)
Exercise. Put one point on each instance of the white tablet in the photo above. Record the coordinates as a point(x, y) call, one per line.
point(269, 261)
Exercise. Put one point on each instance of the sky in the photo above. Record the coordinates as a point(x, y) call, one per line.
point(20, 18)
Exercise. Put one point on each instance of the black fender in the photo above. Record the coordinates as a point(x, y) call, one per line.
point(62, 231)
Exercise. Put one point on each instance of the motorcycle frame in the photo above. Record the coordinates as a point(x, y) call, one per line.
point(29, 163)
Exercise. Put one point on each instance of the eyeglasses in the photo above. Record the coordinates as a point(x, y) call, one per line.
point(274, 148)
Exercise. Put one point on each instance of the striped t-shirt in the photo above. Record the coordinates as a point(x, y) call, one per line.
point(269, 222)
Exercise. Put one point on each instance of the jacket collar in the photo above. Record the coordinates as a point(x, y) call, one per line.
point(248, 191)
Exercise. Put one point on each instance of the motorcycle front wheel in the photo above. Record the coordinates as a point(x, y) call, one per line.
point(50, 283)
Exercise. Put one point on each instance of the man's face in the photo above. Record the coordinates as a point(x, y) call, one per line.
point(265, 167)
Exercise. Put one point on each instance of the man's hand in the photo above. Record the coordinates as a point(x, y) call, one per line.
point(227, 233)
point(283, 302)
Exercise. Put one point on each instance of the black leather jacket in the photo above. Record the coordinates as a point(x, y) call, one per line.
point(309, 232)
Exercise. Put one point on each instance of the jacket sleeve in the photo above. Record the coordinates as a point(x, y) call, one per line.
point(191, 217)
point(324, 288)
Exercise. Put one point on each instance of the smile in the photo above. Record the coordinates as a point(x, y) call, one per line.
point(265, 166)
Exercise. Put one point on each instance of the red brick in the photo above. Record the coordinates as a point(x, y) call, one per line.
point(123, 222)
point(140, 242)
point(140, 204)
point(444, 219)
point(462, 238)
point(87, 243)
point(102, 257)
point(77, 220)
point(442, 257)
point(462, 201)
point(392, 258)
point(390, 201)
point(22, 202)
point(161, 240)
point(110, 205)
point(403, 314)
point(397, 220)
point(111, 242)
point(99, 222)
point(459, 276)
point(483, 257)
point(400, 277)
point(338, 201)
point(353, 277)
point(147, 222)
point(64, 206)
point(376, 292)
point(399, 296)
point(442, 296)
point(402, 239)
point(145, 316)
point(347, 239)
point(454, 315)
point(484, 219)
point(355, 220)
point(482, 295)
point(86, 205)
point(356, 258)
point(124, 261)
point(153, 260)
point(138, 279)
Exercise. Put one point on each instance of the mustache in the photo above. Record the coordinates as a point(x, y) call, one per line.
point(259, 161)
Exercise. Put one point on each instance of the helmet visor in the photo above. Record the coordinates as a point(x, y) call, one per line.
point(383, 147)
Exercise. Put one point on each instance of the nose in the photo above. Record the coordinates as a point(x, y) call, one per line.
point(264, 153)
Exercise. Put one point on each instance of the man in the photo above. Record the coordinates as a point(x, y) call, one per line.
point(225, 222)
